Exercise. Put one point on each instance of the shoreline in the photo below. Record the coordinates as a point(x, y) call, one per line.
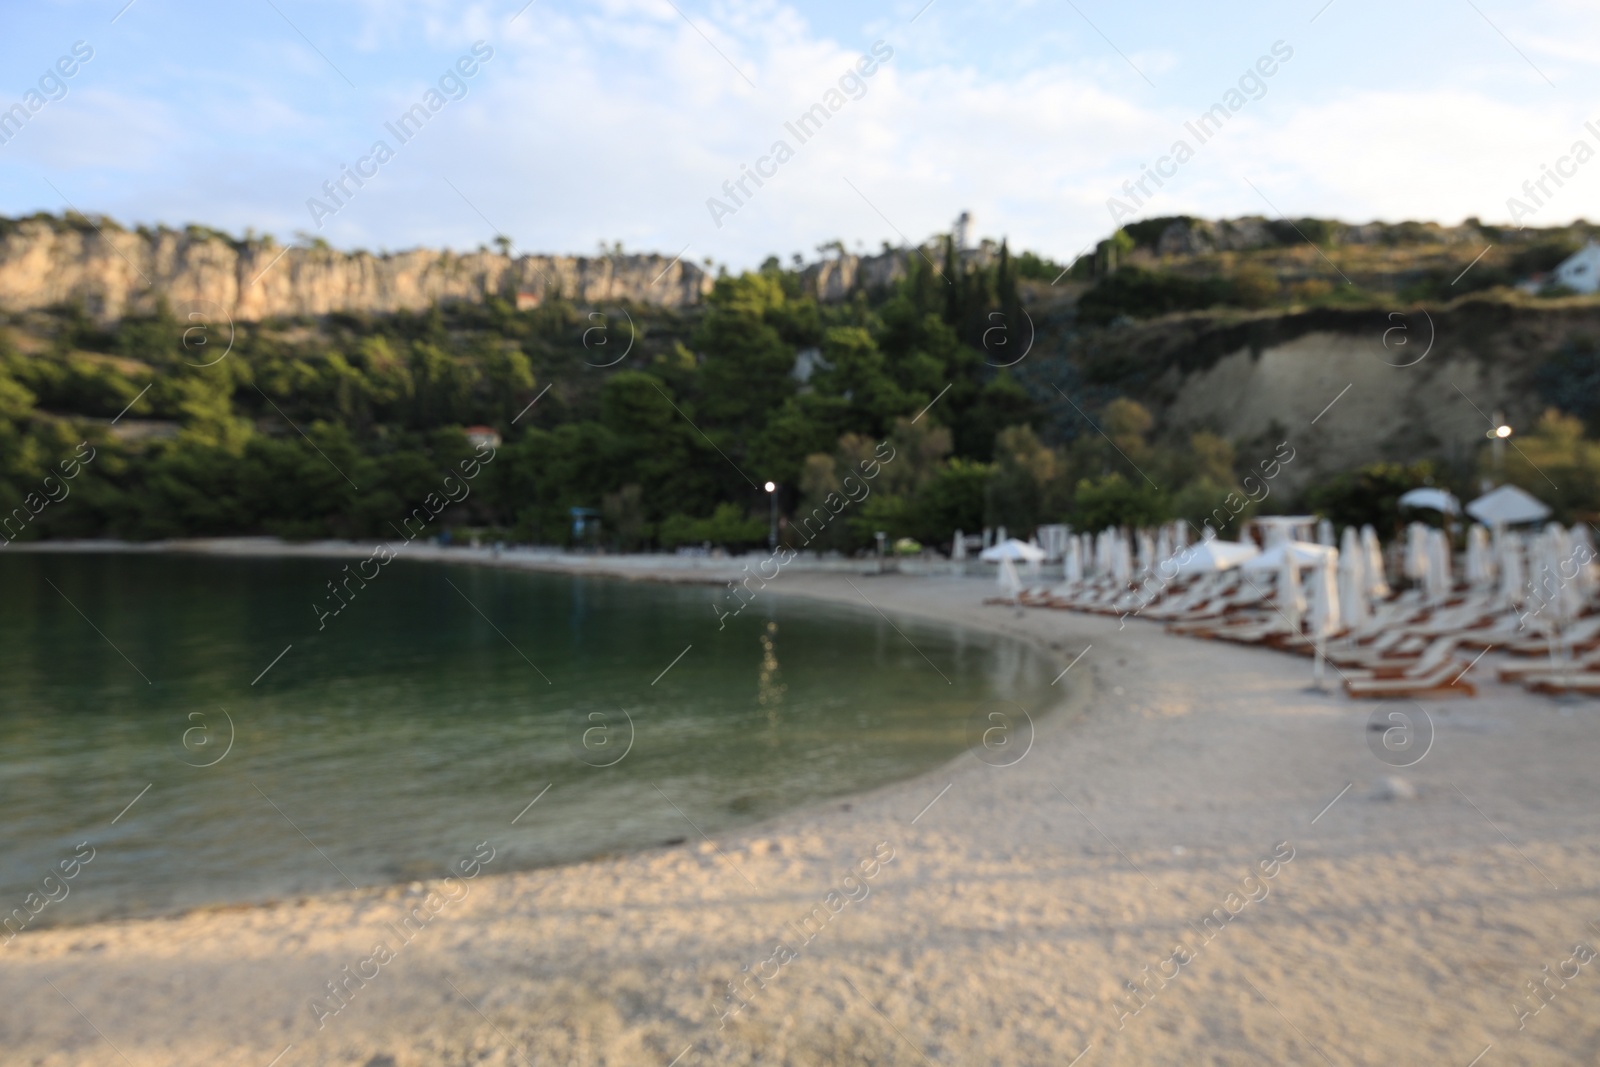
point(1021, 900)
point(656, 567)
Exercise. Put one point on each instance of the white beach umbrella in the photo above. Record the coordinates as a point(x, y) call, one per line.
point(1415, 563)
point(1436, 578)
point(1372, 571)
point(1552, 594)
point(1164, 547)
point(1353, 604)
point(958, 546)
point(1583, 558)
point(1325, 619)
point(1325, 533)
point(1010, 584)
point(1122, 559)
point(1072, 569)
point(1512, 581)
point(1012, 550)
point(1507, 506)
point(1180, 536)
point(1428, 496)
point(1147, 551)
point(1207, 533)
point(1561, 591)
point(1291, 602)
point(1480, 564)
point(1033, 563)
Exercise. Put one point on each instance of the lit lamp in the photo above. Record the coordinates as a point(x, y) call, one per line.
point(772, 535)
point(1498, 436)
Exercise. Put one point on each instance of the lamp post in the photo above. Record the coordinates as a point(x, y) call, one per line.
point(1497, 437)
point(772, 535)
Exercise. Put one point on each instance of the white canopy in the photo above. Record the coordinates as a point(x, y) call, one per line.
point(1012, 549)
point(1304, 553)
point(1507, 506)
point(1207, 557)
point(1429, 497)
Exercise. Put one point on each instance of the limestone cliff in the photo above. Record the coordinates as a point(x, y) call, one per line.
point(113, 272)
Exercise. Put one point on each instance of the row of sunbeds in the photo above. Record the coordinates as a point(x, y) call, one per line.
point(1410, 646)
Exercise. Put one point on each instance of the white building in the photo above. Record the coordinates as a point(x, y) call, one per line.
point(1580, 271)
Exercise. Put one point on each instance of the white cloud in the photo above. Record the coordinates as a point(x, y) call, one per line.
point(619, 120)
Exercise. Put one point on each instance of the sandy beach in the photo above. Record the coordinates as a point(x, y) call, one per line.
point(1191, 818)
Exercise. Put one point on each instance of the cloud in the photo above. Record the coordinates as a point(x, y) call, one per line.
point(619, 119)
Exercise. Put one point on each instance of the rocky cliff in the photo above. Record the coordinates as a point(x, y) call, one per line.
point(113, 272)
point(1344, 386)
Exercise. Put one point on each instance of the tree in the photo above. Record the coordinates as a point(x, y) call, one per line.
point(1115, 501)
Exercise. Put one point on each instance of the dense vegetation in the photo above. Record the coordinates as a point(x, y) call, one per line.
point(664, 426)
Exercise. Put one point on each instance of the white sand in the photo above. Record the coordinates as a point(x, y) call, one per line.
point(1402, 931)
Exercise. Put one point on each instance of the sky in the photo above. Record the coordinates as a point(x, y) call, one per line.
point(622, 120)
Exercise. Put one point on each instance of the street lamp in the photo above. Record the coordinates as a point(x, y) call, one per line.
point(1497, 443)
point(772, 536)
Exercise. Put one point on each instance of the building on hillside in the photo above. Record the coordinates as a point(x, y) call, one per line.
point(479, 436)
point(1580, 271)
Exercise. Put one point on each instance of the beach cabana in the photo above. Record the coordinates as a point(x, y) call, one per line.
point(1276, 529)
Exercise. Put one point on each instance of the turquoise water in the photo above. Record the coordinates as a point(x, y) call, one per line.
point(426, 716)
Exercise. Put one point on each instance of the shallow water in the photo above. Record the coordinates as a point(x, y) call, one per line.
point(427, 716)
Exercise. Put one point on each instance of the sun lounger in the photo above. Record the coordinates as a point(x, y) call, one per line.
point(1571, 682)
point(1438, 653)
point(1581, 636)
point(1521, 672)
point(1445, 680)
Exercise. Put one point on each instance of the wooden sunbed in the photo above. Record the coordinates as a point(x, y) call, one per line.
point(1444, 680)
